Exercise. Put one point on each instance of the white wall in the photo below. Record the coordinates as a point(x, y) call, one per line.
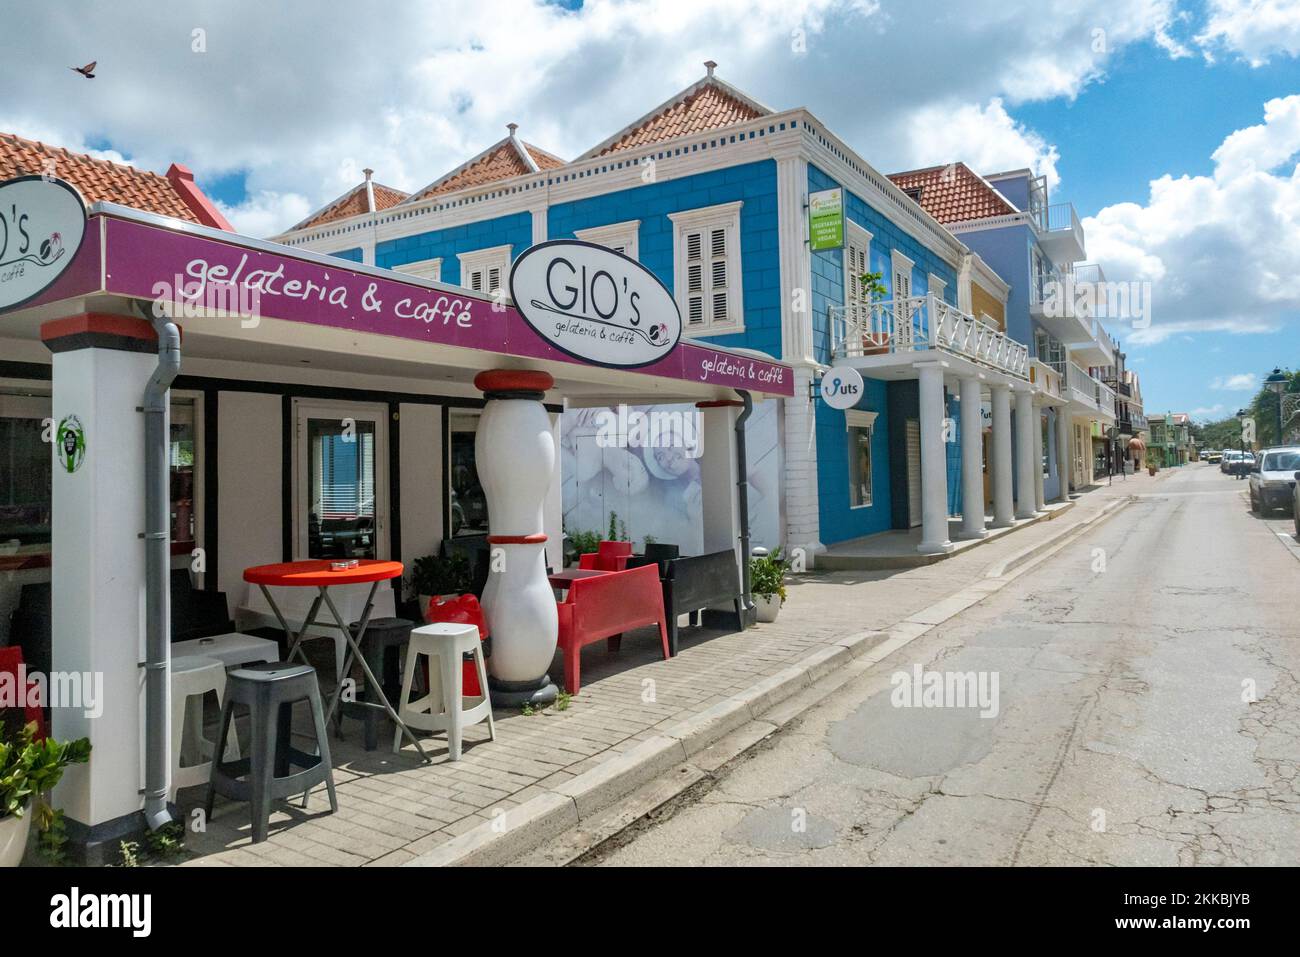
point(248, 487)
point(421, 480)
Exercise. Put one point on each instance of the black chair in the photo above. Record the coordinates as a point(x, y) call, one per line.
point(197, 613)
point(30, 626)
point(692, 584)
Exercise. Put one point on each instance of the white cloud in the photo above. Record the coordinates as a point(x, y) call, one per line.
point(1254, 30)
point(1221, 250)
point(1241, 382)
point(1209, 411)
point(300, 105)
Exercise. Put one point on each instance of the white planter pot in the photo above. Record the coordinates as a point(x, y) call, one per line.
point(766, 607)
point(13, 837)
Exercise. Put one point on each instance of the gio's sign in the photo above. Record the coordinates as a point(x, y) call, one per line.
point(841, 387)
point(595, 304)
point(42, 224)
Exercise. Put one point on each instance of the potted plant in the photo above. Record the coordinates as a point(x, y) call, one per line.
point(434, 575)
point(1151, 466)
point(767, 583)
point(29, 769)
point(579, 543)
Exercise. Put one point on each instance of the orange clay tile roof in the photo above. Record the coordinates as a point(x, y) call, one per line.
point(353, 203)
point(953, 193)
point(98, 180)
point(708, 108)
point(497, 162)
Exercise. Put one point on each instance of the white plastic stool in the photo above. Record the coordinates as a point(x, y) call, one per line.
point(444, 708)
point(192, 677)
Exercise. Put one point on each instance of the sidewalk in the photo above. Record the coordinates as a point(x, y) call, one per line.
point(637, 718)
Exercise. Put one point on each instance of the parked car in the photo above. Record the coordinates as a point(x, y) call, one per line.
point(1272, 481)
point(1213, 456)
point(1295, 503)
point(1238, 463)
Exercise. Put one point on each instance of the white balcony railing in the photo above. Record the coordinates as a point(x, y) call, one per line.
point(1090, 392)
point(921, 323)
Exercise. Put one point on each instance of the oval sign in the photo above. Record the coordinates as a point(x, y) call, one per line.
point(42, 224)
point(595, 304)
point(841, 387)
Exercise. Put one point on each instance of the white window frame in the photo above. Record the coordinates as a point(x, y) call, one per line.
point(423, 269)
point(936, 285)
point(860, 237)
point(904, 316)
point(484, 260)
point(862, 419)
point(614, 236)
point(705, 219)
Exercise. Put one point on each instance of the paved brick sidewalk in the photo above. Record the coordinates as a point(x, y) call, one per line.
point(393, 808)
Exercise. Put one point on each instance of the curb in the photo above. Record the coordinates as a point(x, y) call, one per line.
point(719, 730)
point(1015, 561)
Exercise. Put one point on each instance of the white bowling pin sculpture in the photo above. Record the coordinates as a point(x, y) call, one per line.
point(515, 454)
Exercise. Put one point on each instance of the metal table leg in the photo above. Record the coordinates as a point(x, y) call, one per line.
point(375, 683)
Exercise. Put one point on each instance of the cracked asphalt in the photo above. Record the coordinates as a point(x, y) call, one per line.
point(1148, 713)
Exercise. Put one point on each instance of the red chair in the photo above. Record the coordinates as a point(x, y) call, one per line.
point(11, 658)
point(466, 610)
point(608, 557)
point(605, 606)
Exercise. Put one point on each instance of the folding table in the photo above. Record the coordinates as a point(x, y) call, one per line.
point(322, 574)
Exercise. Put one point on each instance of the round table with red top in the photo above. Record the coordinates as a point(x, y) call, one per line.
point(322, 574)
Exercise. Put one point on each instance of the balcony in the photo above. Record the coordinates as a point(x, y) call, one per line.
point(1060, 233)
point(1088, 396)
point(1062, 302)
point(1049, 377)
point(871, 335)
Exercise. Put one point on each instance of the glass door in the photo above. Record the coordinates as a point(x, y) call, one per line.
point(341, 481)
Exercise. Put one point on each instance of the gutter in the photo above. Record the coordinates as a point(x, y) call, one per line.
point(157, 539)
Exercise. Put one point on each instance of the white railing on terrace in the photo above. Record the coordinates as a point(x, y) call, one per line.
point(921, 323)
point(1089, 391)
point(1061, 216)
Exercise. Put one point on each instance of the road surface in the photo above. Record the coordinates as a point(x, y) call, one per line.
point(1147, 712)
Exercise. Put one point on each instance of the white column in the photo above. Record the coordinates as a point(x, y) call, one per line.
point(719, 500)
point(794, 259)
point(1040, 501)
point(1026, 494)
point(1003, 509)
point(539, 216)
point(802, 511)
point(972, 460)
point(98, 571)
point(514, 450)
point(1063, 450)
point(934, 467)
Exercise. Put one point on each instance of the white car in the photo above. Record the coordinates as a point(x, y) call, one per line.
point(1272, 479)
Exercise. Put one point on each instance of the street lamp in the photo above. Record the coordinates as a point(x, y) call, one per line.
point(1277, 383)
point(1241, 417)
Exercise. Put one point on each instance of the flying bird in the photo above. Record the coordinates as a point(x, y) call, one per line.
point(88, 71)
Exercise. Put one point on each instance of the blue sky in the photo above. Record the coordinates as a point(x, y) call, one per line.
point(1199, 97)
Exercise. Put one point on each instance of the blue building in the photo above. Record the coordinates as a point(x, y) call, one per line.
point(710, 191)
point(1038, 248)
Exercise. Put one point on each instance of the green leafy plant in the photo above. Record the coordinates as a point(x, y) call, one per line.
point(439, 575)
point(582, 543)
point(871, 286)
point(562, 701)
point(767, 575)
point(29, 769)
point(129, 852)
point(527, 710)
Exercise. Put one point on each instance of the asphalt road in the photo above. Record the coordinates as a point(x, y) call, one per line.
point(1147, 712)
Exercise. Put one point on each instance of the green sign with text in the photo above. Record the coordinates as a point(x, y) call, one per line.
point(826, 219)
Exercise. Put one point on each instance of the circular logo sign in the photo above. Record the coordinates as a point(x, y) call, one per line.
point(842, 388)
point(595, 304)
point(70, 440)
point(42, 223)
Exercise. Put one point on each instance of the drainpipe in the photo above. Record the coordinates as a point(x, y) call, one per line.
point(157, 561)
point(742, 494)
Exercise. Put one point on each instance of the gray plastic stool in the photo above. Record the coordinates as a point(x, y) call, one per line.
point(381, 635)
point(269, 691)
